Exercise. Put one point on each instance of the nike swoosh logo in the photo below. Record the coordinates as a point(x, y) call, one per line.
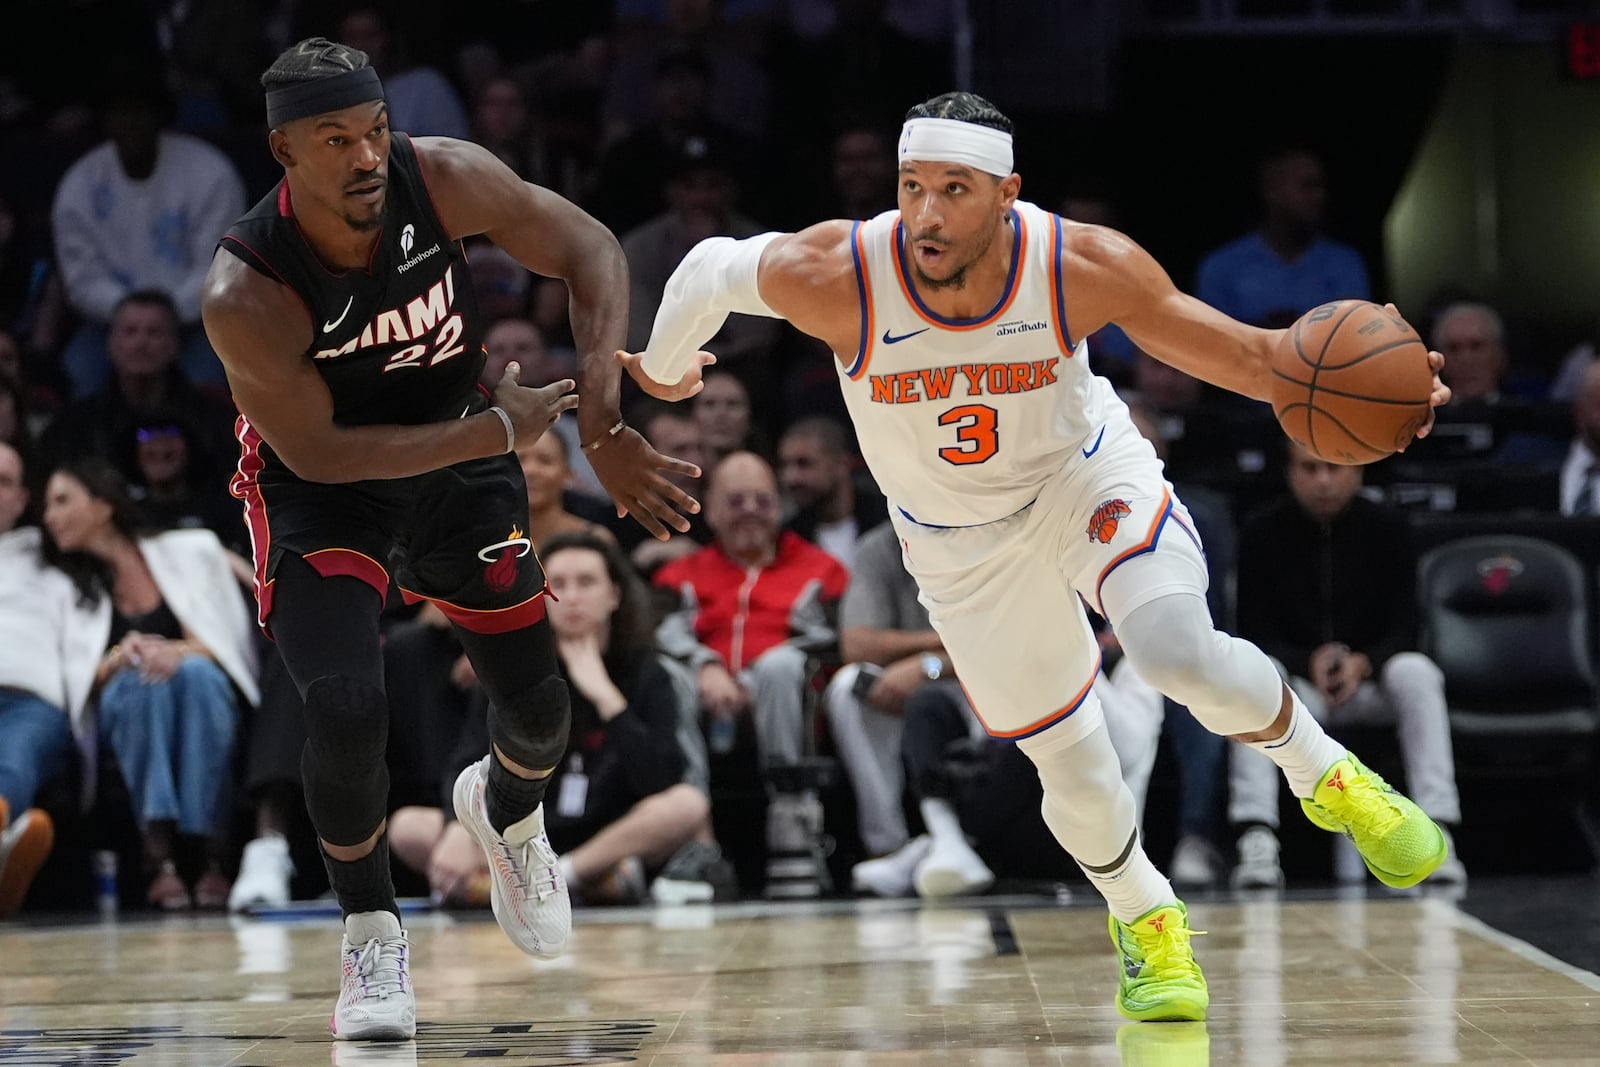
point(888, 340)
point(1092, 449)
point(328, 327)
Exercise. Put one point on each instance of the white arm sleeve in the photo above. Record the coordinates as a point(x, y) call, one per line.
point(717, 277)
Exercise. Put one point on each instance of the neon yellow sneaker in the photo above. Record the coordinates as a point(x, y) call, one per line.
point(1400, 845)
point(1160, 979)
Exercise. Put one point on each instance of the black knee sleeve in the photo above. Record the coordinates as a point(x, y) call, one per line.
point(343, 766)
point(530, 726)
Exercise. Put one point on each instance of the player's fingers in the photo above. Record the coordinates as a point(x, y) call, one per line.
point(705, 358)
point(652, 504)
point(676, 466)
point(1436, 361)
point(566, 403)
point(677, 496)
point(643, 517)
point(513, 373)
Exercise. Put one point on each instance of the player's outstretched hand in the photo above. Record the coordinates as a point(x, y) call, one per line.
point(687, 386)
point(533, 411)
point(634, 474)
point(1441, 392)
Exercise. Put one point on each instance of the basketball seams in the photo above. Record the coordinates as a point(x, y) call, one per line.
point(1331, 391)
point(1378, 453)
point(1376, 414)
point(1311, 412)
point(1412, 340)
point(1311, 386)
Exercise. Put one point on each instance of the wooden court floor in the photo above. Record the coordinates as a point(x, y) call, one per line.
point(995, 982)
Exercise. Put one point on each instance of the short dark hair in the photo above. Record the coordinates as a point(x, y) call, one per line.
point(825, 430)
point(311, 60)
point(647, 409)
point(962, 107)
point(151, 297)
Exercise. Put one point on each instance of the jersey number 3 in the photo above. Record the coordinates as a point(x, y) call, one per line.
point(976, 430)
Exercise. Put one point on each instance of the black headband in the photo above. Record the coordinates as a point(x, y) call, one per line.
point(299, 100)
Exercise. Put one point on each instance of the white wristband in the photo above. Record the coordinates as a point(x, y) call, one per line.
point(511, 431)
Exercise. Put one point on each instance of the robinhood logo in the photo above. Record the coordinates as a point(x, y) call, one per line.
point(408, 237)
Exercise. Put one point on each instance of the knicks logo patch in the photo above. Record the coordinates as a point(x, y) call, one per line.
point(501, 557)
point(1103, 523)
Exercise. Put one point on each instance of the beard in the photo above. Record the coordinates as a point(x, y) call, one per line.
point(956, 279)
point(364, 224)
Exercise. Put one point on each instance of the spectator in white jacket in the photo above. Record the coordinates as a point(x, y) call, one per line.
point(142, 210)
point(40, 702)
point(178, 660)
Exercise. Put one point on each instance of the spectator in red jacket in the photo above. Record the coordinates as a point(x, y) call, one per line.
point(750, 606)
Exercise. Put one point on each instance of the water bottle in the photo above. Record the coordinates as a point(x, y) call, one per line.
point(105, 883)
point(724, 732)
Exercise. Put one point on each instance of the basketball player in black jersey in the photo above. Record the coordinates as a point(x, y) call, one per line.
point(342, 309)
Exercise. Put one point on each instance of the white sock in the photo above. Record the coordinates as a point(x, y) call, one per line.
point(565, 863)
point(1133, 887)
point(1303, 752)
point(941, 820)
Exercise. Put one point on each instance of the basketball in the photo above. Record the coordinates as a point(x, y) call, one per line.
point(1350, 382)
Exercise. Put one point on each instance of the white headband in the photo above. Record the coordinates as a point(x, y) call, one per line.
point(952, 141)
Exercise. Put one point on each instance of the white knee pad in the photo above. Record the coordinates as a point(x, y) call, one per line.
point(1086, 804)
point(1230, 685)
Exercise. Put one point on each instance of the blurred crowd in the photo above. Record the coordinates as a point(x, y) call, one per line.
point(760, 706)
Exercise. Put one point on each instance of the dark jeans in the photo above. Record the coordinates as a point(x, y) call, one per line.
point(35, 744)
point(1201, 756)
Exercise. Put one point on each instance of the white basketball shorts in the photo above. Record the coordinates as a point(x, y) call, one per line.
point(1005, 596)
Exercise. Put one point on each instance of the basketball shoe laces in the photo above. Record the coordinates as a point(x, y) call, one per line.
point(1367, 806)
point(381, 967)
point(533, 857)
point(1167, 955)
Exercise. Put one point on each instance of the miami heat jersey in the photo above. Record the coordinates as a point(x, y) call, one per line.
point(399, 342)
point(962, 421)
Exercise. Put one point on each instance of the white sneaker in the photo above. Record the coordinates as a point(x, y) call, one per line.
point(1258, 860)
point(1193, 865)
point(891, 875)
point(264, 872)
point(375, 998)
point(952, 869)
point(527, 892)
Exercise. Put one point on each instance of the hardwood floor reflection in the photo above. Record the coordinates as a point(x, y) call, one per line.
point(994, 983)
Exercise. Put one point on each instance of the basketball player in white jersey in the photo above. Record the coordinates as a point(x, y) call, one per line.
point(1019, 484)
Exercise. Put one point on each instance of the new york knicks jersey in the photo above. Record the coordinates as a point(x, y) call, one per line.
point(962, 421)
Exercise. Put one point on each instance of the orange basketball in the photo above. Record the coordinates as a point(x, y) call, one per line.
point(1350, 382)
